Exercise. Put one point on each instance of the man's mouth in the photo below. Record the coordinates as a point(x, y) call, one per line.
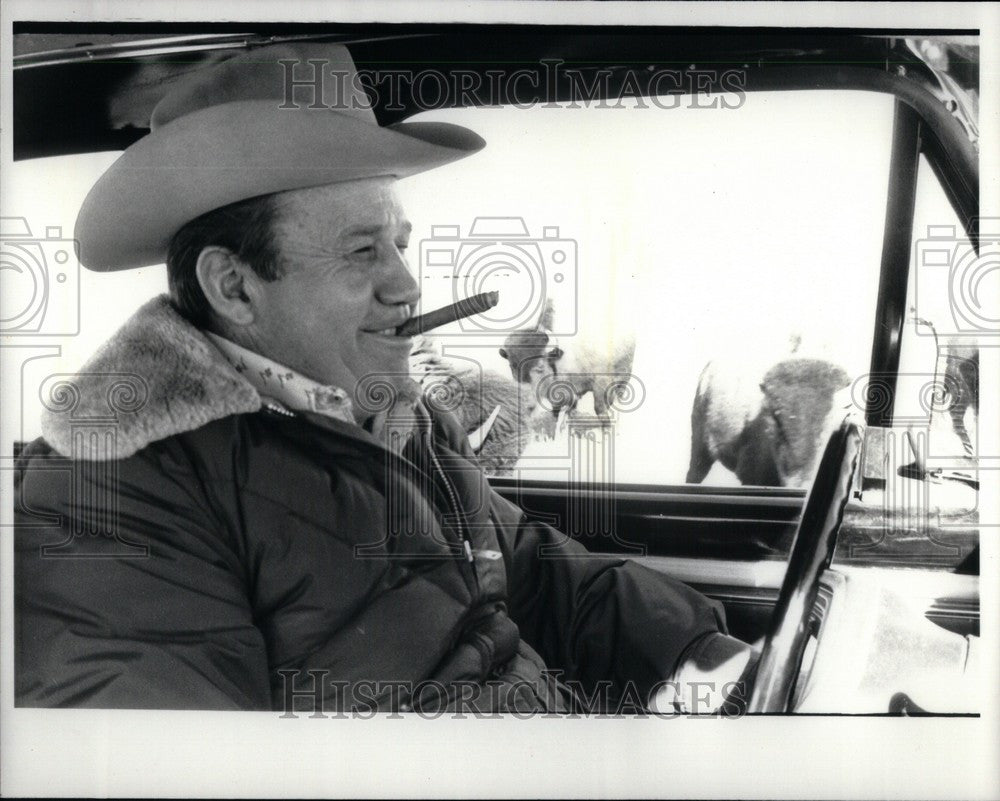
point(392, 326)
point(387, 332)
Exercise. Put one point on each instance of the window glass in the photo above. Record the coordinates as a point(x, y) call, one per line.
point(54, 313)
point(936, 403)
point(703, 252)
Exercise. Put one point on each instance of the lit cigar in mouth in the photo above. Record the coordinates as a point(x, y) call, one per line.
point(477, 304)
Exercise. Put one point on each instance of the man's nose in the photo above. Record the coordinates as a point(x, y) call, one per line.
point(398, 284)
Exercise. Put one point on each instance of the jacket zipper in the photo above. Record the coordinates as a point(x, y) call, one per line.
point(275, 409)
point(453, 497)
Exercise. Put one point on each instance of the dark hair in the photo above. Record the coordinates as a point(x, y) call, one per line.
point(246, 228)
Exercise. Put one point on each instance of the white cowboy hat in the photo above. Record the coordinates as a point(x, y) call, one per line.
point(231, 131)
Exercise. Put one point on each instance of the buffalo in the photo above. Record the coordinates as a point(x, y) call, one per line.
point(560, 379)
point(500, 415)
point(533, 356)
point(961, 382)
point(768, 429)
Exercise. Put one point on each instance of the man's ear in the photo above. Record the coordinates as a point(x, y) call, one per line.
point(225, 281)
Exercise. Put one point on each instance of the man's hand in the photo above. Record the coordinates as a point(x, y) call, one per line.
point(713, 670)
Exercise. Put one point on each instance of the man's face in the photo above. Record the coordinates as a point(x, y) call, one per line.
point(345, 284)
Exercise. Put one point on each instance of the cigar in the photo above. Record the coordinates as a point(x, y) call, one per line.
point(477, 304)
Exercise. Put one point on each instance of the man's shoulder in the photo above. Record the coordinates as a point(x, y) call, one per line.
point(192, 474)
point(176, 454)
point(156, 376)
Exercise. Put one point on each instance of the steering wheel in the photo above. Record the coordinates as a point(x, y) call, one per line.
point(812, 550)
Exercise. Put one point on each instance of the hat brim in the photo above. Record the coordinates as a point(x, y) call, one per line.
point(234, 151)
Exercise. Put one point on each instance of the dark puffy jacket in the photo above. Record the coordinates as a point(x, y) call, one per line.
point(233, 564)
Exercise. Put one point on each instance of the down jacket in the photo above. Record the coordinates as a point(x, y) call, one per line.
point(180, 546)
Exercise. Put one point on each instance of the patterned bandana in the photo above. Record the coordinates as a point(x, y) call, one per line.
point(291, 391)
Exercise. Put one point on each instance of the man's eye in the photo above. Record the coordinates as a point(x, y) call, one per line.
point(364, 251)
point(402, 246)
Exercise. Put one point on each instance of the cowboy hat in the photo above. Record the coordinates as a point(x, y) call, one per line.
point(281, 117)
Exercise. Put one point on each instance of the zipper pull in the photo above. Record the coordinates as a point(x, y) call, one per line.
point(471, 559)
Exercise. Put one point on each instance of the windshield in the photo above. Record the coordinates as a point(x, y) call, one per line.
point(676, 253)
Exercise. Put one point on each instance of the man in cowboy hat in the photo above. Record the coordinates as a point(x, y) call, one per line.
point(279, 523)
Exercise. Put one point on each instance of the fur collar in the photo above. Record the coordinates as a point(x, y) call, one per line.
point(156, 377)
